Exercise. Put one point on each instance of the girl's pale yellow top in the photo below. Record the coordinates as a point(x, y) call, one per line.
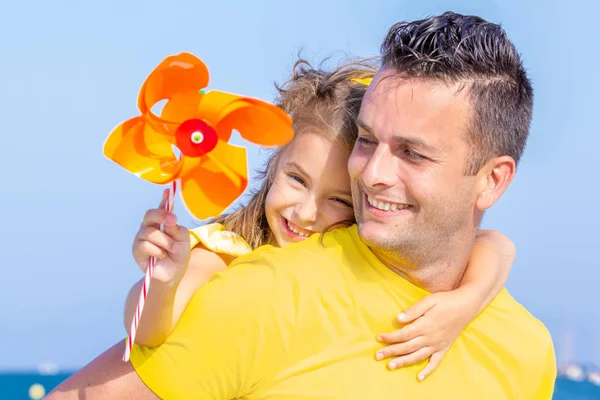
point(215, 238)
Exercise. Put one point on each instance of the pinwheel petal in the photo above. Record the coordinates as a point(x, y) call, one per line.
point(181, 107)
point(212, 183)
point(141, 151)
point(176, 74)
point(257, 121)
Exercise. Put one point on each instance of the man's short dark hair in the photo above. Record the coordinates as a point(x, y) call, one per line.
point(478, 55)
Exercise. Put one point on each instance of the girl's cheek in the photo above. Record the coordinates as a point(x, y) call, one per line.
point(334, 217)
point(277, 193)
point(285, 194)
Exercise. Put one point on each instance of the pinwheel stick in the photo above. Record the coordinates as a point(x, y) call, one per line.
point(146, 286)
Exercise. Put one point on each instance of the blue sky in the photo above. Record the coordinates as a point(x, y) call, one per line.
point(71, 71)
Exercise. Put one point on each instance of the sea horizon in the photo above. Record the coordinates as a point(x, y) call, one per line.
point(33, 385)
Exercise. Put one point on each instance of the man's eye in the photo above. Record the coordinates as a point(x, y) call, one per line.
point(413, 155)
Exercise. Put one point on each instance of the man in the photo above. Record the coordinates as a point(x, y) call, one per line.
point(441, 128)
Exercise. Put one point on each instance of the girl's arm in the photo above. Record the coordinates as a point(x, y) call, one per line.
point(435, 322)
point(488, 269)
point(166, 301)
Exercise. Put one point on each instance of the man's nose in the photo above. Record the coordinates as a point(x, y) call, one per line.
point(380, 170)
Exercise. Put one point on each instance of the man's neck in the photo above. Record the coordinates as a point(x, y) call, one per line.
point(435, 269)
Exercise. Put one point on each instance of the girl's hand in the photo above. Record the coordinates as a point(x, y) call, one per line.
point(433, 324)
point(171, 247)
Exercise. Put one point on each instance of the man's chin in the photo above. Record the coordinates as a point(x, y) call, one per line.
point(373, 234)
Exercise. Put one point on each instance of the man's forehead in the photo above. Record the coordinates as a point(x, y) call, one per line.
point(400, 105)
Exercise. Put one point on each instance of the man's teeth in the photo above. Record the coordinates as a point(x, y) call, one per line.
point(380, 205)
point(297, 230)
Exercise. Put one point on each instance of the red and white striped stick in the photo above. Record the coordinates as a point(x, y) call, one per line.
point(146, 286)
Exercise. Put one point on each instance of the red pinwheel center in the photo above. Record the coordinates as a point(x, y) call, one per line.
point(195, 138)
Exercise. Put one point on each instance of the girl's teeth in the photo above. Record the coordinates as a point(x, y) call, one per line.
point(295, 230)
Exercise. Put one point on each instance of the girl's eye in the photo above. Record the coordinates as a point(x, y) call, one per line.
point(297, 179)
point(342, 201)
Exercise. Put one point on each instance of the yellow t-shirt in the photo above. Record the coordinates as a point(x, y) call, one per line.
point(300, 323)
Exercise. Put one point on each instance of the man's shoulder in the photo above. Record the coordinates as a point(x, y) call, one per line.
point(506, 305)
point(522, 334)
point(530, 350)
point(513, 347)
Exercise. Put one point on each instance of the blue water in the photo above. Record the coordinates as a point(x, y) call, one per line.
point(16, 387)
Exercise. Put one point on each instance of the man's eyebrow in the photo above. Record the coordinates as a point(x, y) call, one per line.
point(414, 141)
point(399, 139)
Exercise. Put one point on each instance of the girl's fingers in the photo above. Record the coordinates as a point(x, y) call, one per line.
point(434, 361)
point(399, 349)
point(417, 310)
point(163, 200)
point(178, 233)
point(410, 359)
point(152, 250)
point(403, 334)
point(156, 217)
point(158, 238)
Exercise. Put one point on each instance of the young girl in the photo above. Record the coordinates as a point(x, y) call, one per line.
point(306, 190)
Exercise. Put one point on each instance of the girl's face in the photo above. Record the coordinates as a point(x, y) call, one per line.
point(310, 191)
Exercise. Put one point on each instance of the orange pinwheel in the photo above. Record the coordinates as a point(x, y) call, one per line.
point(212, 172)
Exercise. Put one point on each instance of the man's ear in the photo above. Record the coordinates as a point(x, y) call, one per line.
point(493, 179)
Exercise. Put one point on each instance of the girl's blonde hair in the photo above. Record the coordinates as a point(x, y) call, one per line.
point(324, 102)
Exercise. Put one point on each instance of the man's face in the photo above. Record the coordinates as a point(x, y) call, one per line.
point(408, 165)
